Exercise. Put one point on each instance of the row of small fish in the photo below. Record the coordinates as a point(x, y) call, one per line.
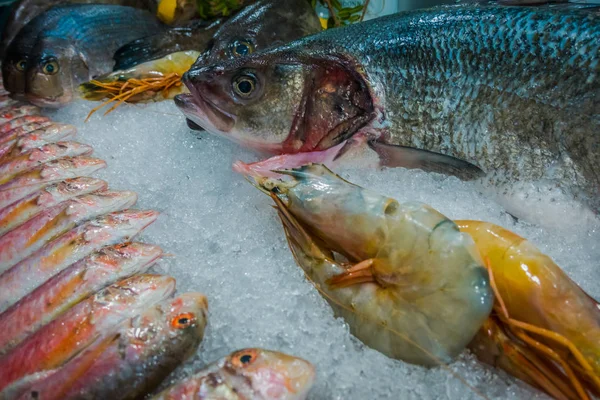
point(81, 315)
point(413, 284)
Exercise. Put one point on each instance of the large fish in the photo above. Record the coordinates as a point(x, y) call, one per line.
point(68, 45)
point(23, 11)
point(258, 25)
point(509, 93)
point(247, 374)
point(126, 363)
point(63, 338)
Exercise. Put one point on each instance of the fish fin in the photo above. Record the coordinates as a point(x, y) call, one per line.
point(411, 158)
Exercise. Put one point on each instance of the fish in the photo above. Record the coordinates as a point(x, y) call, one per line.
point(151, 67)
point(506, 96)
point(68, 248)
point(69, 45)
point(79, 281)
point(250, 373)
point(57, 342)
point(11, 167)
point(258, 25)
point(10, 113)
point(129, 362)
point(21, 211)
point(22, 126)
point(38, 138)
point(406, 280)
point(25, 240)
point(23, 11)
point(51, 172)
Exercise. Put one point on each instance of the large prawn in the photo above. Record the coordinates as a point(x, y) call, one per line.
point(412, 286)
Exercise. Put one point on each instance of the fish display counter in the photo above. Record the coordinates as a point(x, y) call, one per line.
point(288, 200)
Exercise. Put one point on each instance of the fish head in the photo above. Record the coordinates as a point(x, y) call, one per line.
point(260, 25)
point(171, 330)
point(279, 101)
point(129, 258)
point(272, 375)
point(55, 67)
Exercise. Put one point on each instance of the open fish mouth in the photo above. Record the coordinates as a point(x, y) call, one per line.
point(204, 113)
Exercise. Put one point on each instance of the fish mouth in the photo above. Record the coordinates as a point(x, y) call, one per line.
point(48, 102)
point(204, 113)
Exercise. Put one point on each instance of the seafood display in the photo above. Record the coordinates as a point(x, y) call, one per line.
point(247, 374)
point(425, 292)
point(68, 45)
point(154, 65)
point(363, 253)
point(450, 89)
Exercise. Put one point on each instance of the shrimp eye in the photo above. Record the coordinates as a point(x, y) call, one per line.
point(241, 48)
point(244, 358)
point(182, 321)
point(50, 68)
point(22, 65)
point(244, 85)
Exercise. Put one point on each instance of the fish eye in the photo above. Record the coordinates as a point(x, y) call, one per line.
point(51, 67)
point(244, 358)
point(21, 65)
point(240, 48)
point(244, 85)
point(183, 320)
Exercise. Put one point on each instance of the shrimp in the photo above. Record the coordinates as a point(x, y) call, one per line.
point(144, 82)
point(542, 318)
point(406, 280)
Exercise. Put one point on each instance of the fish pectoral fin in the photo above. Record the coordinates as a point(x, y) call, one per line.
point(412, 158)
point(359, 273)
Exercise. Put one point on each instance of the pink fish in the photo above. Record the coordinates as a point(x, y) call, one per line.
point(124, 364)
point(52, 172)
point(23, 241)
point(49, 196)
point(68, 248)
point(73, 331)
point(63, 291)
point(10, 167)
point(24, 120)
point(38, 138)
point(10, 113)
point(23, 130)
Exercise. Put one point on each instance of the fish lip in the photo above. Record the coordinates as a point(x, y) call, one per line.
point(204, 112)
point(47, 102)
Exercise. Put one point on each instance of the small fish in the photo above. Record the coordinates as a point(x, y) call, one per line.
point(23, 129)
point(40, 137)
point(454, 89)
point(68, 45)
point(23, 11)
point(255, 374)
point(68, 248)
point(129, 362)
point(25, 240)
point(54, 171)
point(55, 343)
point(79, 281)
point(33, 158)
point(7, 115)
point(7, 127)
point(21, 211)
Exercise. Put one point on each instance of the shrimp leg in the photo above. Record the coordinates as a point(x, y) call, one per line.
point(359, 273)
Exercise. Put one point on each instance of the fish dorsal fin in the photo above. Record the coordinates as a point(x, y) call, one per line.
point(412, 158)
